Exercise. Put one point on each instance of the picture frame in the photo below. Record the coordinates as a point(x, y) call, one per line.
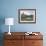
point(27, 15)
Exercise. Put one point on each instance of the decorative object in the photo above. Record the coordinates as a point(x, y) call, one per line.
point(30, 33)
point(9, 21)
point(27, 15)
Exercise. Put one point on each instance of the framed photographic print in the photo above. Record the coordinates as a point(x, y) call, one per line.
point(27, 15)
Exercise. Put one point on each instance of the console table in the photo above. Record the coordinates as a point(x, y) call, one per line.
point(20, 39)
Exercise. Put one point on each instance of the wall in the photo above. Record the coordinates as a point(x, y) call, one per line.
point(9, 8)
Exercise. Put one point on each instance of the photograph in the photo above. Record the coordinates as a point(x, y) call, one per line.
point(27, 15)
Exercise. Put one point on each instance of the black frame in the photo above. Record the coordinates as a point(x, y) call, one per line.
point(19, 15)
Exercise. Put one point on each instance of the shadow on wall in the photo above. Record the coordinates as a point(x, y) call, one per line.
point(2, 21)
